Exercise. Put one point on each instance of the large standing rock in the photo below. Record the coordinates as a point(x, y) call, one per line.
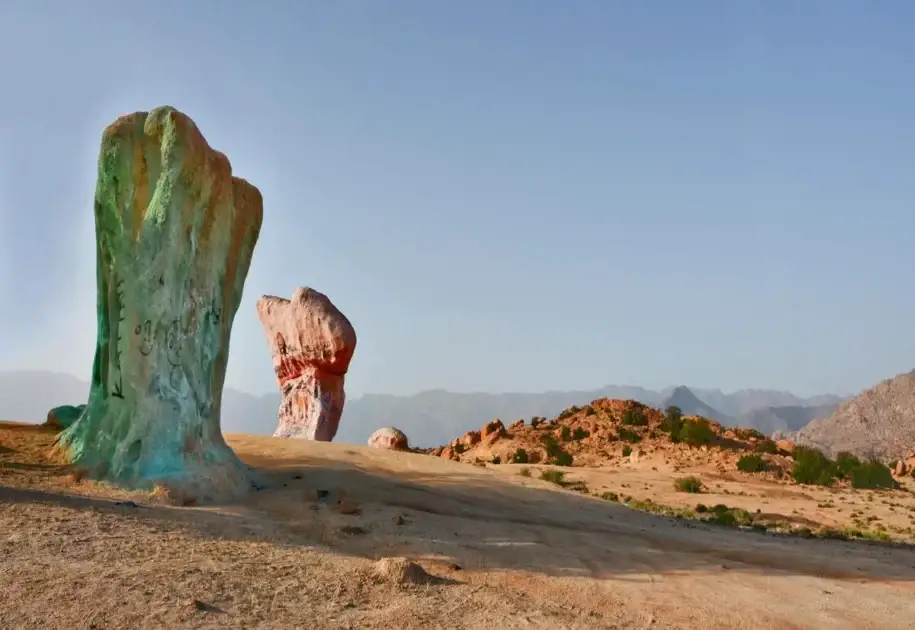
point(312, 344)
point(174, 237)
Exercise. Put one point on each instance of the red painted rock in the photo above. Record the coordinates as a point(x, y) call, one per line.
point(312, 344)
point(389, 438)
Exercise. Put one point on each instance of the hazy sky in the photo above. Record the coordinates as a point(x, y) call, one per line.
point(512, 195)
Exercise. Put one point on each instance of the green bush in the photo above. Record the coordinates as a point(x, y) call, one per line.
point(751, 464)
point(766, 446)
point(627, 451)
point(610, 496)
point(563, 459)
point(565, 434)
point(846, 462)
point(629, 436)
point(811, 467)
point(553, 476)
point(872, 475)
point(535, 421)
point(459, 448)
point(696, 432)
point(635, 417)
point(688, 484)
point(520, 456)
point(589, 411)
point(673, 421)
point(724, 515)
point(579, 434)
point(551, 445)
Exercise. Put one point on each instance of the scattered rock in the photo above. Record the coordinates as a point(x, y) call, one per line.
point(447, 453)
point(347, 506)
point(389, 438)
point(900, 469)
point(470, 438)
point(352, 530)
point(312, 344)
point(400, 571)
point(785, 445)
point(492, 428)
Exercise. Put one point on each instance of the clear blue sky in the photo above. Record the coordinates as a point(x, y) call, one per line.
point(502, 196)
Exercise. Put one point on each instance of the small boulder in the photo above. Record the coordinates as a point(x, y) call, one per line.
point(400, 571)
point(389, 438)
point(447, 453)
point(470, 438)
point(494, 427)
point(900, 469)
point(785, 445)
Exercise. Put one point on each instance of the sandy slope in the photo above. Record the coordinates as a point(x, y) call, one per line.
point(530, 555)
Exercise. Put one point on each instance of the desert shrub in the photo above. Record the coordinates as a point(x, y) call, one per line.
point(766, 446)
point(496, 459)
point(696, 432)
point(751, 464)
point(571, 411)
point(589, 410)
point(627, 451)
point(673, 421)
point(563, 459)
point(688, 484)
point(565, 434)
point(610, 496)
point(811, 467)
point(520, 456)
point(535, 421)
point(629, 436)
point(551, 445)
point(553, 476)
point(579, 434)
point(701, 508)
point(724, 515)
point(872, 475)
point(634, 417)
point(459, 448)
point(525, 472)
point(846, 462)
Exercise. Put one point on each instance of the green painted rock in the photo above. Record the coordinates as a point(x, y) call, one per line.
point(174, 237)
point(64, 416)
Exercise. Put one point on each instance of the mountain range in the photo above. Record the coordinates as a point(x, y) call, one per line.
point(434, 417)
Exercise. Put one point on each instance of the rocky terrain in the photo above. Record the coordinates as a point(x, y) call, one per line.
point(609, 431)
point(344, 536)
point(879, 422)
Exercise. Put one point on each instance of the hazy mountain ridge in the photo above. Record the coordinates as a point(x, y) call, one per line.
point(428, 418)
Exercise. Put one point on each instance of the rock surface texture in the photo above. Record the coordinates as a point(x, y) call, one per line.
point(389, 438)
point(175, 233)
point(312, 344)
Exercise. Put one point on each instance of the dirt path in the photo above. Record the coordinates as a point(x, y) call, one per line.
point(513, 553)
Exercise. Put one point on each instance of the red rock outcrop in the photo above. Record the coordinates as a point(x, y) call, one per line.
point(312, 344)
point(389, 438)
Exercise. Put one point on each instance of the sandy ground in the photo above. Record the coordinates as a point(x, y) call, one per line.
point(509, 551)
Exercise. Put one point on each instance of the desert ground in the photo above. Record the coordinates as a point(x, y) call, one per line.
point(503, 550)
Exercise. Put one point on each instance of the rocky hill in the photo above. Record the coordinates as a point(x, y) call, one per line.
point(607, 431)
point(879, 422)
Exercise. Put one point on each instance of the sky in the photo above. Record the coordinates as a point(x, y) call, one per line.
point(501, 196)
